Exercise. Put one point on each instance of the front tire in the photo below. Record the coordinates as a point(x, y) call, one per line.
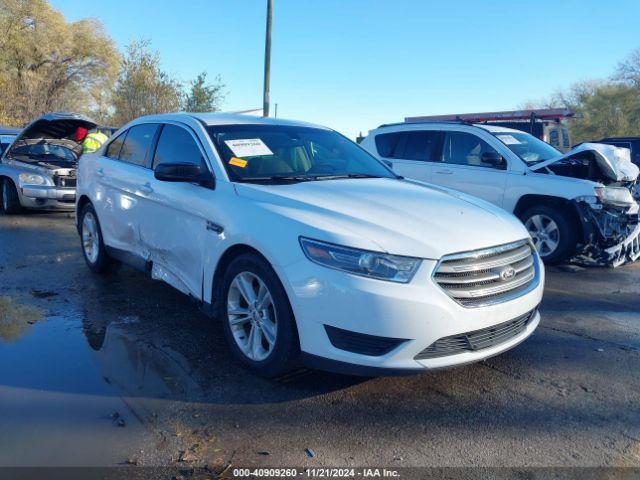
point(93, 249)
point(553, 232)
point(9, 199)
point(258, 322)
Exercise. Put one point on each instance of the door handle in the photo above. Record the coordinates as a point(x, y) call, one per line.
point(146, 188)
point(100, 172)
point(446, 171)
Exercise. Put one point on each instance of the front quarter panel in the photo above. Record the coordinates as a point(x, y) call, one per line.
point(532, 183)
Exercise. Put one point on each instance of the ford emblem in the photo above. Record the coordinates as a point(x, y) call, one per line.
point(507, 273)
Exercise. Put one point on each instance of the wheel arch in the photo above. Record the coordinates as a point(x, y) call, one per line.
point(531, 200)
point(82, 201)
point(6, 176)
point(232, 252)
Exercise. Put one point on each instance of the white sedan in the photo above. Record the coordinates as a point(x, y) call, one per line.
point(306, 247)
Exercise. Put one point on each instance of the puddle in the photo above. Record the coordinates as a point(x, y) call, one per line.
point(55, 404)
point(16, 319)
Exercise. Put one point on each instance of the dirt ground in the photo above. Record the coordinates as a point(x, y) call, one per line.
point(125, 370)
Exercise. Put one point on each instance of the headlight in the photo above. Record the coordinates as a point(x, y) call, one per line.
point(618, 196)
point(31, 179)
point(382, 266)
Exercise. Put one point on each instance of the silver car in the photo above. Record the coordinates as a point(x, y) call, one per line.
point(38, 169)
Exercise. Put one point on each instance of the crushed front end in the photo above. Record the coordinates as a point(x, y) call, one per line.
point(611, 231)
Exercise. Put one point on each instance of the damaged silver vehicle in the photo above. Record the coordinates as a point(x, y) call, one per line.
point(38, 169)
point(576, 206)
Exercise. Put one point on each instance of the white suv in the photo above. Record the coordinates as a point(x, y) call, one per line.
point(577, 203)
point(306, 247)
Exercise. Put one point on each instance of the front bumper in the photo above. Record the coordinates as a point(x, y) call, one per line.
point(47, 197)
point(611, 235)
point(628, 250)
point(419, 312)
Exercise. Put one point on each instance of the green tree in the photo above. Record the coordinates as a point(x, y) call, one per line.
point(203, 97)
point(605, 109)
point(143, 88)
point(49, 64)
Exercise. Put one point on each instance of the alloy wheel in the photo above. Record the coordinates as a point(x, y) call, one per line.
point(545, 233)
point(90, 237)
point(252, 316)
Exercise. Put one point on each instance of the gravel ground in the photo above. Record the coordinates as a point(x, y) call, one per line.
point(125, 370)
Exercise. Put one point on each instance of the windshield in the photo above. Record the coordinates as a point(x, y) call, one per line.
point(527, 147)
point(43, 151)
point(278, 152)
point(5, 141)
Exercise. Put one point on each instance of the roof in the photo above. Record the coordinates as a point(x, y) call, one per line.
point(484, 126)
point(230, 119)
point(9, 130)
point(540, 114)
point(624, 139)
point(497, 129)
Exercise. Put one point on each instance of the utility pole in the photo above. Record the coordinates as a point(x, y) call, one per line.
point(267, 61)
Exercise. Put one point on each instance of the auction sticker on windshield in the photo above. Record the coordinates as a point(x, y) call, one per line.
point(248, 147)
point(238, 162)
point(508, 139)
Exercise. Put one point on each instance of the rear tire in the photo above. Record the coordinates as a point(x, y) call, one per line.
point(93, 249)
point(258, 322)
point(9, 199)
point(553, 231)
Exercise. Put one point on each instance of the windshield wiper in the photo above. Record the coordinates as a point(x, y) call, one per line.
point(306, 178)
point(347, 175)
point(278, 179)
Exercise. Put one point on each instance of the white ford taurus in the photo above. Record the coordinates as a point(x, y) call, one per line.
point(306, 247)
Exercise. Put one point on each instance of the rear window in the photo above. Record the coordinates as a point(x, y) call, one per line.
point(137, 143)
point(414, 145)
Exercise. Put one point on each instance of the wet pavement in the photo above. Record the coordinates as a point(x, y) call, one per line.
point(122, 369)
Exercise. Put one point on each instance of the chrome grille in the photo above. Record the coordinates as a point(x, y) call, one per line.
point(478, 339)
point(488, 276)
point(65, 180)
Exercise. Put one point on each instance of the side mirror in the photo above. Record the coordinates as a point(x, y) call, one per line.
point(494, 159)
point(182, 172)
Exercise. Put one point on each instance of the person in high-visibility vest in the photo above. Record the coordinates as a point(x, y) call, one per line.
point(93, 141)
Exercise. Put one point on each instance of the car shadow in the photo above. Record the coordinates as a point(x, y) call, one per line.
point(150, 340)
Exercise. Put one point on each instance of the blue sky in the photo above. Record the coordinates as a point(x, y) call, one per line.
point(354, 64)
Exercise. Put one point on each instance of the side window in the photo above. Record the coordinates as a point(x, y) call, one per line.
point(387, 142)
point(414, 145)
point(554, 138)
point(462, 148)
point(176, 145)
point(136, 144)
point(113, 150)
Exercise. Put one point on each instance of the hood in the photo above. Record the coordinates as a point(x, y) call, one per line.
point(56, 125)
point(401, 217)
point(613, 162)
point(56, 128)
